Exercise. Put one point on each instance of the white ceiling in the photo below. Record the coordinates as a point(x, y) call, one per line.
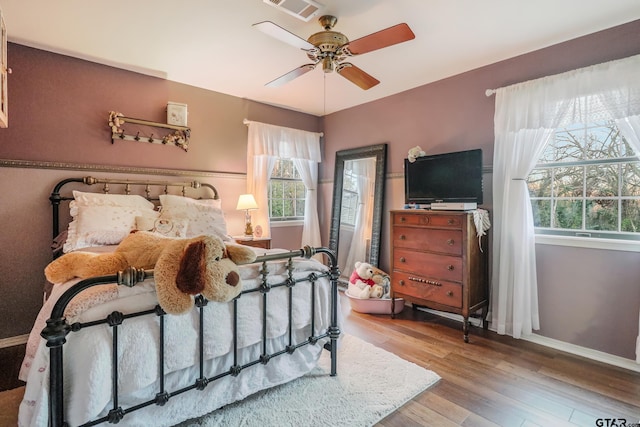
point(211, 43)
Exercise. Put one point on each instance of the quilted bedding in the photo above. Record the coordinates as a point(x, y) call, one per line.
point(88, 353)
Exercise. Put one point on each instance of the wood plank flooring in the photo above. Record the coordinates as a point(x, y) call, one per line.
point(10, 361)
point(493, 380)
point(496, 380)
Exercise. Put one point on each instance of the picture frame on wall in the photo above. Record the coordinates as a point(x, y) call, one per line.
point(4, 71)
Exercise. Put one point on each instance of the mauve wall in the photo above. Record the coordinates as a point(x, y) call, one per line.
point(590, 298)
point(58, 112)
point(59, 108)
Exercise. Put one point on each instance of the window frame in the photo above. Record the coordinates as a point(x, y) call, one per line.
point(285, 220)
point(609, 240)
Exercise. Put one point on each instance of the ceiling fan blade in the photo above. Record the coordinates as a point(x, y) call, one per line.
point(378, 40)
point(281, 34)
point(356, 76)
point(296, 72)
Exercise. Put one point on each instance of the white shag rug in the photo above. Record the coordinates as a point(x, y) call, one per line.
point(371, 383)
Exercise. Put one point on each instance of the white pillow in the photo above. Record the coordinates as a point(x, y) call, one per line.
point(176, 227)
point(101, 225)
point(103, 219)
point(205, 216)
point(173, 201)
point(99, 199)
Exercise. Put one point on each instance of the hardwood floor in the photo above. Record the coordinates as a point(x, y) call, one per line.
point(496, 380)
point(10, 361)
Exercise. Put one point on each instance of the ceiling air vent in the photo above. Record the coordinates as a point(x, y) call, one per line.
point(301, 9)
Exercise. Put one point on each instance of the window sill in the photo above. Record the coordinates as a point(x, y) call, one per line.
point(590, 243)
point(279, 224)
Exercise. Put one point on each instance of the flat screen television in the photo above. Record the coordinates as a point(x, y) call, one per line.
point(449, 178)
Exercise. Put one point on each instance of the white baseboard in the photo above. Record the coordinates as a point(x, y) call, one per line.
point(585, 352)
point(588, 353)
point(13, 341)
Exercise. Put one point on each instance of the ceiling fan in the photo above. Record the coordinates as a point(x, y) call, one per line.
point(332, 48)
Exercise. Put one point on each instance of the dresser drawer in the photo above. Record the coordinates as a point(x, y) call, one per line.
point(446, 221)
point(427, 264)
point(428, 239)
point(438, 291)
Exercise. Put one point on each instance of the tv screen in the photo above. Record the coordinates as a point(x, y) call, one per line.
point(449, 177)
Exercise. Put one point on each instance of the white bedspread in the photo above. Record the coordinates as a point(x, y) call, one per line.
point(88, 364)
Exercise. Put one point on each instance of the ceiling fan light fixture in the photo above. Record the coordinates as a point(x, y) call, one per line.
point(327, 65)
point(332, 48)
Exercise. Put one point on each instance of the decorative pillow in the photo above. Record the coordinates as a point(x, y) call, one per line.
point(99, 199)
point(103, 219)
point(173, 201)
point(205, 216)
point(176, 227)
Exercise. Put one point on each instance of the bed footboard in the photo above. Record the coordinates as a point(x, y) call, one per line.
point(57, 330)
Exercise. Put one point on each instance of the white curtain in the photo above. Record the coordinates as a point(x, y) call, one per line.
point(259, 187)
point(309, 173)
point(525, 118)
point(365, 172)
point(630, 128)
point(266, 143)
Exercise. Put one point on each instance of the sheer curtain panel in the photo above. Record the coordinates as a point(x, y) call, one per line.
point(526, 117)
point(265, 144)
point(365, 171)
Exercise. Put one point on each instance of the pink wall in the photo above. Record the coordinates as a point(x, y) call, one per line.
point(59, 109)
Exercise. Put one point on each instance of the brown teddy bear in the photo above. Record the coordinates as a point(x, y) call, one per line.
point(182, 267)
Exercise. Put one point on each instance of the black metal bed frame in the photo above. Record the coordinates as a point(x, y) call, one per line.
point(58, 328)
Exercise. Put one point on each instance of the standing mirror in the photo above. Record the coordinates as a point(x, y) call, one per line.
point(356, 216)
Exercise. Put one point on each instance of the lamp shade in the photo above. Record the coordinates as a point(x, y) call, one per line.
point(246, 201)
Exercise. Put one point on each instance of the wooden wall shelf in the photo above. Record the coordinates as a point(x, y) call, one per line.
point(179, 137)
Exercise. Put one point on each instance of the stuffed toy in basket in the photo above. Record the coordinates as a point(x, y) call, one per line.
point(369, 289)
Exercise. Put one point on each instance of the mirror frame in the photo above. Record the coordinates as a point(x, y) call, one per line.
point(379, 151)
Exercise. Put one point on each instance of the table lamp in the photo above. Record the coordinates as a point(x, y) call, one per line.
point(247, 202)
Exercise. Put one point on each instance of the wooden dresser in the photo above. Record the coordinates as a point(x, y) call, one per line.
point(437, 263)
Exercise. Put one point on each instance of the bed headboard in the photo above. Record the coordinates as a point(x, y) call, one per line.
point(150, 190)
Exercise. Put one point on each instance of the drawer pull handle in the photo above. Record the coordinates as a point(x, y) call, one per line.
point(403, 237)
point(427, 281)
point(449, 293)
point(450, 221)
point(403, 219)
point(450, 267)
point(401, 282)
point(450, 242)
point(403, 259)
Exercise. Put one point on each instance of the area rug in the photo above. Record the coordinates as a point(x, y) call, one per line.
point(371, 383)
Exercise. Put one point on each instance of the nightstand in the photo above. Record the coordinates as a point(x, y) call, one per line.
point(256, 242)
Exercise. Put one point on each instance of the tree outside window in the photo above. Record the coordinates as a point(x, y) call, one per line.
point(286, 192)
point(587, 183)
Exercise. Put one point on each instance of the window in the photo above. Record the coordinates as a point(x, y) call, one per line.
point(286, 192)
point(349, 198)
point(587, 184)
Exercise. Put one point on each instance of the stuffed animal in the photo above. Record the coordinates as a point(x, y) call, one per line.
point(414, 153)
point(182, 267)
point(362, 283)
point(383, 279)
